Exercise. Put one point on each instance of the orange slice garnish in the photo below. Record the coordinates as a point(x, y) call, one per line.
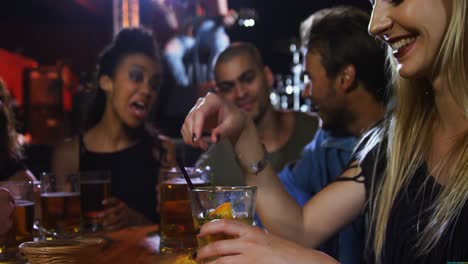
point(223, 211)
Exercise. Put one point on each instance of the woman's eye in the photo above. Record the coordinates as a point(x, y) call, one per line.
point(136, 75)
point(155, 83)
point(396, 2)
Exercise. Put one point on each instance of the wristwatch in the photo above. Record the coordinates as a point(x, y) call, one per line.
point(256, 167)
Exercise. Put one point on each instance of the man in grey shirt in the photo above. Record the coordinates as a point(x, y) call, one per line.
point(243, 79)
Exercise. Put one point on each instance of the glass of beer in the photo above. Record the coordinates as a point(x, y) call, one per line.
point(23, 219)
point(37, 208)
point(177, 232)
point(95, 188)
point(61, 206)
point(220, 202)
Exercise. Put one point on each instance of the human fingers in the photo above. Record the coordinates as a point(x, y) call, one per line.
point(116, 214)
point(225, 226)
point(186, 130)
point(111, 201)
point(115, 217)
point(199, 116)
point(232, 124)
point(121, 222)
point(222, 249)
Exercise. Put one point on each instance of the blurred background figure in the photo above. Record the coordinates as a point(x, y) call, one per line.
point(198, 36)
point(11, 157)
point(199, 27)
point(118, 137)
point(7, 207)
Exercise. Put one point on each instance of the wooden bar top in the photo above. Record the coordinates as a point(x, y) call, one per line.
point(137, 245)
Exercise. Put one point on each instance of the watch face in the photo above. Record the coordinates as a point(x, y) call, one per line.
point(256, 167)
point(259, 166)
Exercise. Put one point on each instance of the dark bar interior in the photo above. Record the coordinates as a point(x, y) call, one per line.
point(233, 131)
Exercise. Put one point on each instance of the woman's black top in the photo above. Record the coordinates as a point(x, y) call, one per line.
point(410, 214)
point(134, 174)
point(9, 168)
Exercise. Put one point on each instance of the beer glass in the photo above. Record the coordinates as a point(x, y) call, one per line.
point(60, 205)
point(95, 188)
point(219, 202)
point(23, 219)
point(37, 208)
point(177, 233)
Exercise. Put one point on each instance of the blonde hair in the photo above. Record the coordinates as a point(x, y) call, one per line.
point(409, 134)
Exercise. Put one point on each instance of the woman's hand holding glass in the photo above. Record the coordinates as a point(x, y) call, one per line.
point(253, 245)
point(116, 215)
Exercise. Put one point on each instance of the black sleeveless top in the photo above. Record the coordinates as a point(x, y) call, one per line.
point(9, 167)
point(134, 174)
point(409, 216)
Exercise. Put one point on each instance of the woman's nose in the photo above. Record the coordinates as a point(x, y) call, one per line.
point(380, 21)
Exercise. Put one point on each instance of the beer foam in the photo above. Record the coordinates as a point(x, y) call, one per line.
point(198, 181)
point(20, 203)
point(182, 181)
point(60, 194)
point(176, 181)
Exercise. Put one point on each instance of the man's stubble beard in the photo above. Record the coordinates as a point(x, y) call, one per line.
point(262, 109)
point(339, 122)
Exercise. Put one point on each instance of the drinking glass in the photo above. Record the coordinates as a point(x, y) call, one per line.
point(23, 219)
point(61, 206)
point(221, 202)
point(177, 232)
point(95, 187)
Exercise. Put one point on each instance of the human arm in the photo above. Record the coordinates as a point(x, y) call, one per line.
point(286, 177)
point(169, 15)
point(7, 207)
point(118, 215)
point(254, 245)
point(15, 169)
point(23, 175)
point(325, 214)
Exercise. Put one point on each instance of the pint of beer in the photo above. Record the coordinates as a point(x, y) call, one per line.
point(95, 188)
point(23, 219)
point(177, 232)
point(61, 206)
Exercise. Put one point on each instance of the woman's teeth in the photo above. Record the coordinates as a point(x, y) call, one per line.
point(401, 43)
point(139, 106)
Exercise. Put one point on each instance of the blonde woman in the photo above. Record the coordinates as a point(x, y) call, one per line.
point(414, 166)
